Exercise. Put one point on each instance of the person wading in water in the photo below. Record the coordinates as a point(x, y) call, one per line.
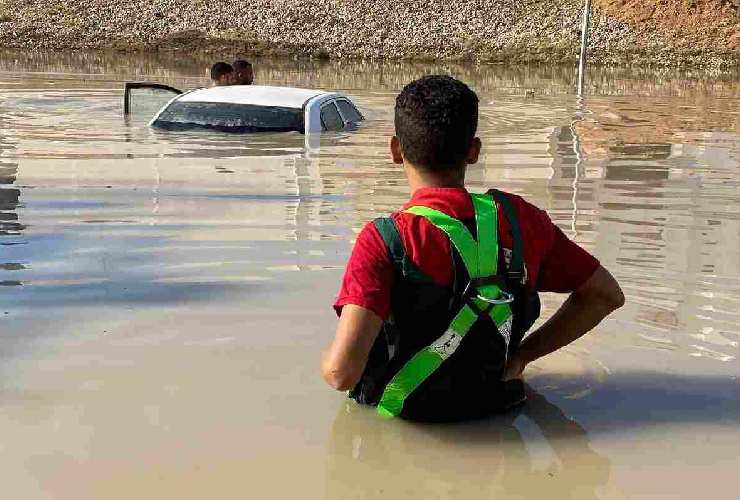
point(222, 74)
point(436, 299)
point(243, 72)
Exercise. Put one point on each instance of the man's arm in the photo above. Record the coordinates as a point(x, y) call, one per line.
point(343, 362)
point(584, 309)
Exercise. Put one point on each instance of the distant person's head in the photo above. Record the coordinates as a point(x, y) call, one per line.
point(243, 72)
point(221, 74)
point(436, 118)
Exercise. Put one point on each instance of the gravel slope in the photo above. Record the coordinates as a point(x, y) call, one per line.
point(482, 30)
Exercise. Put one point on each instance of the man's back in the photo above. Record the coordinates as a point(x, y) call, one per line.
point(552, 262)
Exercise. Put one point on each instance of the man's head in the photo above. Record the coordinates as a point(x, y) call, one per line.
point(436, 118)
point(243, 72)
point(221, 74)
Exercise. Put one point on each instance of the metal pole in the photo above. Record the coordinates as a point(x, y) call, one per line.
point(584, 44)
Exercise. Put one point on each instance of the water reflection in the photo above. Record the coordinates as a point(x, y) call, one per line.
point(91, 68)
point(10, 225)
point(191, 224)
point(9, 194)
point(373, 458)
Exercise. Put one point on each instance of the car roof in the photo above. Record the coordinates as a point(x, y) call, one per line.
point(257, 95)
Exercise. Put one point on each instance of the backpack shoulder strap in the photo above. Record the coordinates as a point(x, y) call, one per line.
point(392, 239)
point(402, 263)
point(516, 266)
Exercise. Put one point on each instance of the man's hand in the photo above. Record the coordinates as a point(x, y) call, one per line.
point(584, 309)
point(344, 361)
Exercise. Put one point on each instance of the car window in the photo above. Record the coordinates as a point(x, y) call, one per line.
point(144, 100)
point(349, 112)
point(330, 118)
point(230, 117)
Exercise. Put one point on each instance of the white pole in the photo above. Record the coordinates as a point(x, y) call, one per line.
point(584, 44)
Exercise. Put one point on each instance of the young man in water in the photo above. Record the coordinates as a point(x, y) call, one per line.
point(436, 298)
point(221, 74)
point(243, 72)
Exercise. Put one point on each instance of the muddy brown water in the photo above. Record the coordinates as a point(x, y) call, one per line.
point(166, 296)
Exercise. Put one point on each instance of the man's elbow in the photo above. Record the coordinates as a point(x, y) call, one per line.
point(604, 291)
point(339, 379)
point(617, 299)
point(611, 298)
point(340, 382)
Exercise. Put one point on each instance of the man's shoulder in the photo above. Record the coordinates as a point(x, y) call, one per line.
point(517, 200)
point(526, 211)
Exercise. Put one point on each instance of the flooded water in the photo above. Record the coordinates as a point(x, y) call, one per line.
point(165, 296)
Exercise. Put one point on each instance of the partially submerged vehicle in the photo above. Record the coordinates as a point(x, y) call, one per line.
point(244, 108)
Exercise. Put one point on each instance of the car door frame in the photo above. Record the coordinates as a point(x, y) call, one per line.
point(312, 112)
point(129, 86)
point(312, 119)
point(344, 118)
point(331, 102)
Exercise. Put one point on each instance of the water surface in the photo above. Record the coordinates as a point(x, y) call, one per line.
point(165, 296)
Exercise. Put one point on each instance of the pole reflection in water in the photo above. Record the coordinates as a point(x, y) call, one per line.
point(581, 110)
point(371, 457)
point(10, 226)
point(9, 194)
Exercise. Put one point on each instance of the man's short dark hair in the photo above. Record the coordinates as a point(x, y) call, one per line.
point(219, 70)
point(241, 64)
point(436, 119)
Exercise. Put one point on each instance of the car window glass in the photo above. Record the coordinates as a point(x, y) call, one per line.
point(230, 117)
point(330, 118)
point(349, 112)
point(146, 102)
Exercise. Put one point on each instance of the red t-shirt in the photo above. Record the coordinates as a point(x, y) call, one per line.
point(553, 263)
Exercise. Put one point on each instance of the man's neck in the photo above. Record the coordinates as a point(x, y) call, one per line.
point(419, 179)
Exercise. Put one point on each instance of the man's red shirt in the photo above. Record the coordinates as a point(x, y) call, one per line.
point(553, 263)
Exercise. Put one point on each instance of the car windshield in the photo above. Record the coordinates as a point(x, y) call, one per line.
point(230, 117)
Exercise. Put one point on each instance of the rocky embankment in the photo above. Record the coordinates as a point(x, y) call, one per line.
point(663, 32)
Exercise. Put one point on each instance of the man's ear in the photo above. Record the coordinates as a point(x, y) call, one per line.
point(474, 151)
point(396, 150)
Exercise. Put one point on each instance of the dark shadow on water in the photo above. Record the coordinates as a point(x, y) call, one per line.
point(137, 294)
point(631, 400)
point(373, 457)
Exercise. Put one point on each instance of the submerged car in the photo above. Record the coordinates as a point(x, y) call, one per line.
point(245, 108)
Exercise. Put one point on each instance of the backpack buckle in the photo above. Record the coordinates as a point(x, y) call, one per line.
point(471, 290)
point(507, 298)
